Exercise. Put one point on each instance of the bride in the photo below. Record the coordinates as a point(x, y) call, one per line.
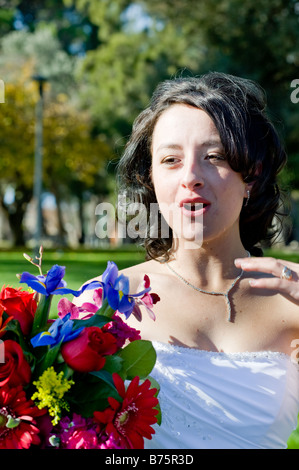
point(227, 323)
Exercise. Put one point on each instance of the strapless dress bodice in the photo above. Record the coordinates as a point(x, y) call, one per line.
point(212, 400)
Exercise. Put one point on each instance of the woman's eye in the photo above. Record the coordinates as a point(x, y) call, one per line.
point(170, 160)
point(216, 157)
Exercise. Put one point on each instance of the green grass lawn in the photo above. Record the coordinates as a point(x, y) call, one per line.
point(83, 265)
point(80, 265)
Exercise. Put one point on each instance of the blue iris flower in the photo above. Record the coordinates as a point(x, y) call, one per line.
point(60, 330)
point(116, 290)
point(53, 283)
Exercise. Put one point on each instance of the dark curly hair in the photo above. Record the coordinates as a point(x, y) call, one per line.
point(252, 145)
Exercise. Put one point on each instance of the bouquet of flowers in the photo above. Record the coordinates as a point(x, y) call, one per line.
point(80, 381)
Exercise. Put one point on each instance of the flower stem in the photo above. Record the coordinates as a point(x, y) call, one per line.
point(105, 309)
point(41, 314)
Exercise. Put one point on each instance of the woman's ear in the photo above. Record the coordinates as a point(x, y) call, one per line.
point(249, 184)
point(248, 188)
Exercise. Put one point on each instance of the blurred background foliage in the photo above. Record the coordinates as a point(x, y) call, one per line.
point(102, 60)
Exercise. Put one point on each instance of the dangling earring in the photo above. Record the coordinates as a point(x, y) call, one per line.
point(248, 197)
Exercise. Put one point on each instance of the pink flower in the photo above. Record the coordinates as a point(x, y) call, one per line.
point(78, 433)
point(65, 306)
point(85, 310)
point(147, 300)
point(110, 442)
point(83, 439)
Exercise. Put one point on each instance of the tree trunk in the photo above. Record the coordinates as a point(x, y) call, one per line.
point(15, 213)
point(82, 238)
point(62, 234)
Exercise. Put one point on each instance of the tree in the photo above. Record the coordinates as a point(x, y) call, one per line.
point(17, 149)
point(75, 32)
point(43, 51)
point(120, 74)
point(71, 152)
point(74, 160)
point(257, 40)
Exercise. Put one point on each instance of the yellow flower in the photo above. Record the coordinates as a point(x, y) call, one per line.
point(51, 388)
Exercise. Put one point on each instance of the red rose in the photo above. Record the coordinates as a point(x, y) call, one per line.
point(3, 322)
point(15, 370)
point(86, 352)
point(19, 305)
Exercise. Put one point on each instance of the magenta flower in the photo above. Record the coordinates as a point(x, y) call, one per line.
point(85, 310)
point(121, 331)
point(147, 300)
point(78, 433)
point(110, 442)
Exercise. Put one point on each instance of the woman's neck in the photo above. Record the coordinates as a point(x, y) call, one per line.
point(210, 265)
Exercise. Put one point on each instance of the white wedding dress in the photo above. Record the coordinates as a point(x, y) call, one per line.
point(212, 400)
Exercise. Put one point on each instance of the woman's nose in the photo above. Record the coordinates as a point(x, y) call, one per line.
point(192, 176)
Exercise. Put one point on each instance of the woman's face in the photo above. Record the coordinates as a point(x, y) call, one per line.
point(198, 193)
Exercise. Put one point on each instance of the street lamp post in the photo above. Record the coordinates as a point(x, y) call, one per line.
point(38, 162)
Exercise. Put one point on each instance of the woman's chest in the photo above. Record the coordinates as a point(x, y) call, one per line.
point(239, 322)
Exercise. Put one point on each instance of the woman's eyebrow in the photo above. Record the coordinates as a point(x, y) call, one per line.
point(207, 143)
point(212, 143)
point(169, 146)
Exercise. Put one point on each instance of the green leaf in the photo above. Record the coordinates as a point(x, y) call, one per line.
point(91, 395)
point(139, 359)
point(95, 320)
point(12, 422)
point(113, 364)
point(103, 375)
point(14, 327)
point(48, 359)
point(105, 309)
point(155, 384)
point(159, 415)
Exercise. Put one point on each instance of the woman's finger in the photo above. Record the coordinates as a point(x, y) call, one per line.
point(287, 285)
point(286, 288)
point(273, 266)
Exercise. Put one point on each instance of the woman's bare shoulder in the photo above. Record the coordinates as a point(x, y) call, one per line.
point(137, 272)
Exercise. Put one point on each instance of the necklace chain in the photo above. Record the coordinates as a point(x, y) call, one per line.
point(203, 291)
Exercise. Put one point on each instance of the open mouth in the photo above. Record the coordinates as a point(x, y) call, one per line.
point(193, 207)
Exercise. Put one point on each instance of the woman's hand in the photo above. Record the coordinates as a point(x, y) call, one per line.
point(289, 288)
